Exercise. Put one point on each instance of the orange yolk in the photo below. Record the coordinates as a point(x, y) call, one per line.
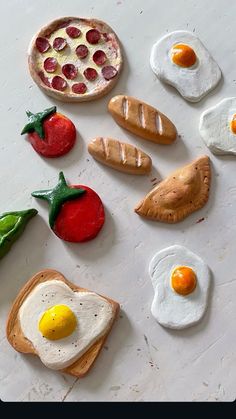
point(183, 280)
point(183, 55)
point(233, 124)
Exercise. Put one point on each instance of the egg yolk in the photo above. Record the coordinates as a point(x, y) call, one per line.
point(183, 55)
point(183, 280)
point(57, 322)
point(233, 124)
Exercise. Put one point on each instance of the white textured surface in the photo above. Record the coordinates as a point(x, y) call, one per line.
point(141, 360)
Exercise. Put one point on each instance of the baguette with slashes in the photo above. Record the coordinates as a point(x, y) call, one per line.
point(120, 156)
point(142, 119)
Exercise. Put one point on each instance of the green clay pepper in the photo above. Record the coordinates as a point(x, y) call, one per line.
point(12, 225)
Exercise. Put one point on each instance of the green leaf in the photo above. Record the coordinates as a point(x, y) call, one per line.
point(57, 196)
point(35, 121)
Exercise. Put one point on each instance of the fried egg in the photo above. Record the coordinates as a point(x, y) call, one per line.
point(218, 127)
point(181, 281)
point(62, 324)
point(181, 60)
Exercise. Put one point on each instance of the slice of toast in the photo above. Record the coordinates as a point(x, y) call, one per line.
point(20, 343)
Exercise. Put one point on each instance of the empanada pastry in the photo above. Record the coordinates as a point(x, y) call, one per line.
point(120, 156)
point(186, 190)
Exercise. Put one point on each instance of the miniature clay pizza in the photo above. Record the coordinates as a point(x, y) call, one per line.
point(64, 325)
point(76, 213)
point(181, 282)
point(186, 190)
point(218, 127)
point(74, 59)
point(181, 60)
point(12, 225)
point(142, 119)
point(50, 133)
point(120, 156)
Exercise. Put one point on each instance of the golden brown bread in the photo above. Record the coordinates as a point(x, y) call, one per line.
point(20, 343)
point(183, 192)
point(120, 156)
point(142, 119)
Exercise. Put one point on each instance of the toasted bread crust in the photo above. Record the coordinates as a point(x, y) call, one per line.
point(120, 156)
point(186, 190)
point(20, 343)
point(71, 97)
point(142, 119)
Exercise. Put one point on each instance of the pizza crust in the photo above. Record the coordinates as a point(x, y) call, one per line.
point(20, 343)
point(186, 190)
point(65, 96)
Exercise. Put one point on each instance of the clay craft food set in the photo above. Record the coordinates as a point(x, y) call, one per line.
point(74, 60)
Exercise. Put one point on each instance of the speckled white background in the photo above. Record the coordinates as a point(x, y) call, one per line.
point(141, 360)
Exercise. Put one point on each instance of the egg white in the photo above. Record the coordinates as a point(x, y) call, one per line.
point(215, 128)
point(193, 83)
point(93, 313)
point(169, 308)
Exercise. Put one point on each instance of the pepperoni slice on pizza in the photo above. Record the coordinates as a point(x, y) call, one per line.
point(74, 59)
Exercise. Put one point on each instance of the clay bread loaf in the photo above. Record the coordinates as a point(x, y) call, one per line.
point(142, 119)
point(20, 343)
point(120, 156)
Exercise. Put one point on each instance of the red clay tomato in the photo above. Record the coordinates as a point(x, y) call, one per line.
point(80, 219)
point(50, 133)
point(76, 212)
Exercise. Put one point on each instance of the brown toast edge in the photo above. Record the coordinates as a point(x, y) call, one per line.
point(20, 343)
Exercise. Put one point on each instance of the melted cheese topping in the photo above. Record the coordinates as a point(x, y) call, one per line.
point(68, 56)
